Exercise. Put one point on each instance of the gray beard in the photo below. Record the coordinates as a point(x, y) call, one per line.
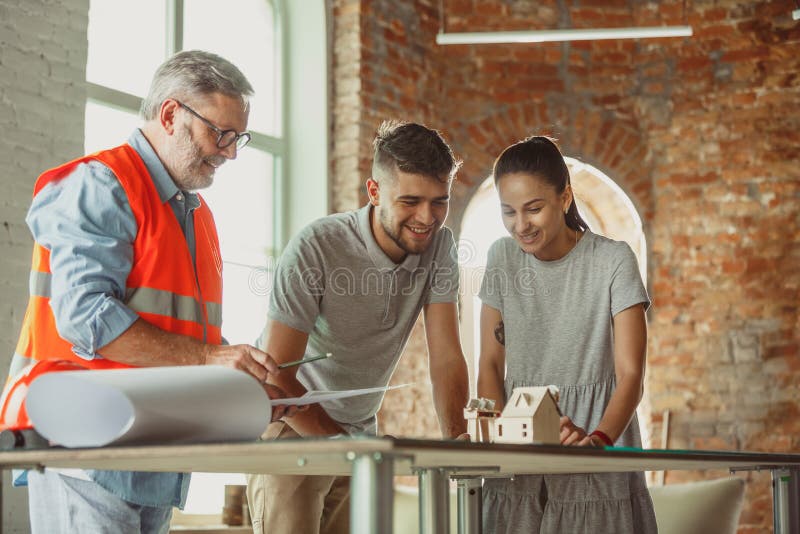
point(187, 153)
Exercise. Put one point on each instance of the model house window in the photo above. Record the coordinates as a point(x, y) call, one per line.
point(127, 42)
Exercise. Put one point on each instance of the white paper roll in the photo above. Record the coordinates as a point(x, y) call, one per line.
point(154, 405)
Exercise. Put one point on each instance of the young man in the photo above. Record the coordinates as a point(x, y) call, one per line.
point(353, 284)
point(126, 272)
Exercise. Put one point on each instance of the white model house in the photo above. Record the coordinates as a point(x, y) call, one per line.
point(531, 415)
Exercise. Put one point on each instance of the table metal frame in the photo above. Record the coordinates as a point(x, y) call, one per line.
point(373, 462)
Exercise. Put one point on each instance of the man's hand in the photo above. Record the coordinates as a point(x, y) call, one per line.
point(246, 358)
point(281, 410)
point(570, 433)
point(289, 344)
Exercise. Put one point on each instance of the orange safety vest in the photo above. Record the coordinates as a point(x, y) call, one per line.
point(162, 287)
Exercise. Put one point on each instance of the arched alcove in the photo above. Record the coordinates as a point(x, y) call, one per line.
point(609, 144)
point(602, 203)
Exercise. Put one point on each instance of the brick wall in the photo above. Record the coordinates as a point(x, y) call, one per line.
point(42, 96)
point(701, 133)
point(348, 140)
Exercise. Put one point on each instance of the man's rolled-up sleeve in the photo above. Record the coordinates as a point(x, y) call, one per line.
point(86, 223)
point(299, 283)
point(444, 277)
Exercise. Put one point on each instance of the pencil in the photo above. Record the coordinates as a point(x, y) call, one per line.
point(304, 360)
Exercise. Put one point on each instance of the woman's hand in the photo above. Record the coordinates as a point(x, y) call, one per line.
point(571, 434)
point(591, 441)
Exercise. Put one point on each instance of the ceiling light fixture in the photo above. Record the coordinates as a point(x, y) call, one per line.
point(543, 36)
point(565, 34)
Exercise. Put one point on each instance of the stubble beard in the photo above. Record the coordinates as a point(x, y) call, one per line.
point(395, 235)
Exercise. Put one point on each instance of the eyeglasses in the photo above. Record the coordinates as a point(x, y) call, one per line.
point(225, 138)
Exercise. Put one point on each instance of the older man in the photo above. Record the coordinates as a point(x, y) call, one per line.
point(127, 272)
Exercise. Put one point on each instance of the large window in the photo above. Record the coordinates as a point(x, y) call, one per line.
point(127, 42)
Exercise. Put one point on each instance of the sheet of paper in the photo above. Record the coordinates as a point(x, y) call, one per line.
point(157, 405)
point(312, 397)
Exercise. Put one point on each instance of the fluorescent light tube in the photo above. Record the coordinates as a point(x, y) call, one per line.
point(542, 36)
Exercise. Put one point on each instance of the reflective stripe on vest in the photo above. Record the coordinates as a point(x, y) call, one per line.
point(39, 284)
point(18, 362)
point(147, 300)
point(214, 312)
point(159, 302)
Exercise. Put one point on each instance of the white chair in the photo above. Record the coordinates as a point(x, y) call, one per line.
point(703, 507)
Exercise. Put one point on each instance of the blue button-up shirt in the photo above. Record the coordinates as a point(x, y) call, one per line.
point(86, 222)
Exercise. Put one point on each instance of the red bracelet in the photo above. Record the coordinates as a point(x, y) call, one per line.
point(603, 436)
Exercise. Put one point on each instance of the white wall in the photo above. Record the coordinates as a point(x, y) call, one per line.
point(42, 73)
point(307, 113)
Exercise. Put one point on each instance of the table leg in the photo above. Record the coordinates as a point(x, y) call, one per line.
point(470, 505)
point(371, 493)
point(434, 501)
point(786, 501)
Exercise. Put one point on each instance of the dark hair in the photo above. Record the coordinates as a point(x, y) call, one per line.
point(412, 148)
point(539, 156)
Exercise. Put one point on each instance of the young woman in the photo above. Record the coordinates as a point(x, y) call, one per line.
point(563, 306)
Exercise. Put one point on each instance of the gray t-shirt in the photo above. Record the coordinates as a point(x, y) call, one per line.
point(335, 283)
point(557, 314)
point(558, 330)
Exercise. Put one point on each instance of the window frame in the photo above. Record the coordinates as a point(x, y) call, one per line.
point(276, 146)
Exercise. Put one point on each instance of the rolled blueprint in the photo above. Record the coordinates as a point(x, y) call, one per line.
point(157, 405)
point(154, 405)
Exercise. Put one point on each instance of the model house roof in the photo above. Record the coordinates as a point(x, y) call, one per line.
point(526, 401)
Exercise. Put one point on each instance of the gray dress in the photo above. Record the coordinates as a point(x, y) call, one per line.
point(558, 330)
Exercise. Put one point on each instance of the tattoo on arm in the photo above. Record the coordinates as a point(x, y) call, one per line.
point(500, 333)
